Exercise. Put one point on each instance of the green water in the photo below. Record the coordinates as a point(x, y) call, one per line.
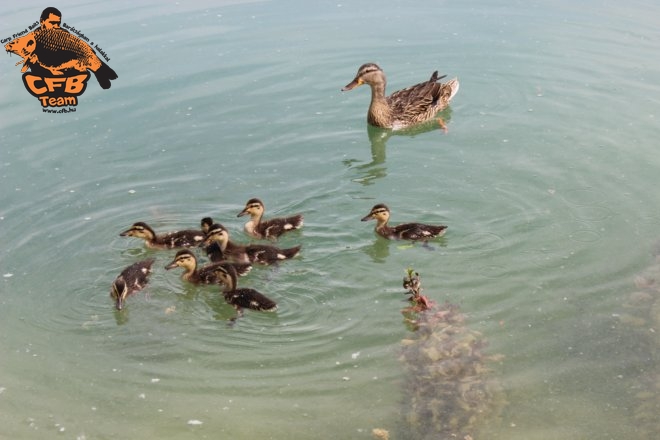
point(546, 178)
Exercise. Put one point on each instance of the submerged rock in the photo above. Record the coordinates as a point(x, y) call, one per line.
point(642, 320)
point(449, 390)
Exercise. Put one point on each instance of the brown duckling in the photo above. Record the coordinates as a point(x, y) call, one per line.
point(203, 275)
point(206, 224)
point(168, 240)
point(407, 231)
point(220, 247)
point(130, 281)
point(244, 298)
point(272, 228)
point(410, 106)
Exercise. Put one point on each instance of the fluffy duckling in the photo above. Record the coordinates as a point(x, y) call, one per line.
point(242, 298)
point(258, 228)
point(410, 106)
point(130, 281)
point(407, 231)
point(168, 240)
point(203, 275)
point(206, 224)
point(220, 247)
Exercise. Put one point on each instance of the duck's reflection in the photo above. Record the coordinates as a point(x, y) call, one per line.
point(379, 250)
point(369, 172)
point(121, 316)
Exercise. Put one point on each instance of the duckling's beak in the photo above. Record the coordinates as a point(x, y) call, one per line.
point(353, 84)
point(119, 292)
point(125, 233)
point(367, 217)
point(172, 265)
point(243, 212)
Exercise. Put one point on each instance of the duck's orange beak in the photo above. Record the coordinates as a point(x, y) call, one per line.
point(353, 84)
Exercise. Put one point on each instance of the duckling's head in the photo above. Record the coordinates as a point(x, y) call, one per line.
point(380, 213)
point(139, 230)
point(369, 73)
point(184, 258)
point(118, 292)
point(254, 207)
point(217, 233)
point(227, 275)
point(206, 224)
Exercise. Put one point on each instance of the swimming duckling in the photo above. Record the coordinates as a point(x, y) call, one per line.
point(410, 106)
point(245, 297)
point(131, 280)
point(407, 231)
point(258, 228)
point(168, 240)
point(206, 224)
point(218, 240)
point(203, 275)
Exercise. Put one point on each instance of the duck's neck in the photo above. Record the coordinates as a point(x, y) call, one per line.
point(379, 110)
point(251, 225)
point(189, 272)
point(153, 244)
point(229, 285)
point(256, 218)
point(222, 245)
point(382, 228)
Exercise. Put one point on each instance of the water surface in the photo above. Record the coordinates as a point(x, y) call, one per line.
point(546, 178)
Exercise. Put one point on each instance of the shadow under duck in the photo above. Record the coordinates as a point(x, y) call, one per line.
point(272, 228)
point(220, 247)
point(130, 281)
point(403, 108)
point(204, 275)
point(244, 298)
point(167, 240)
point(406, 231)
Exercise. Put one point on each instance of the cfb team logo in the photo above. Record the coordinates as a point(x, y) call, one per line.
point(56, 63)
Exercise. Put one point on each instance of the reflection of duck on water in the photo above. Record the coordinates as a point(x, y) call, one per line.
point(379, 250)
point(378, 138)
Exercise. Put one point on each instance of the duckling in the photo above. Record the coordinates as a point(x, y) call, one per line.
point(410, 106)
point(206, 224)
point(219, 246)
point(407, 231)
point(242, 298)
point(130, 281)
point(213, 250)
point(204, 275)
point(258, 228)
point(168, 240)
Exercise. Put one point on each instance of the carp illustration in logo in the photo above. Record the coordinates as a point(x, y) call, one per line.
point(57, 50)
point(58, 62)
